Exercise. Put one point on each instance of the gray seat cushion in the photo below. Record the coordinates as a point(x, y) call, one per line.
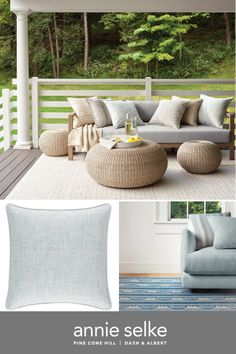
point(161, 134)
point(211, 261)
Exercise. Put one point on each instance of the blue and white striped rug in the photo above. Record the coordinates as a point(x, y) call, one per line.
point(167, 294)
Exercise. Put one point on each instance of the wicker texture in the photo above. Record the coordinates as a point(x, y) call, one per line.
point(199, 156)
point(54, 142)
point(128, 167)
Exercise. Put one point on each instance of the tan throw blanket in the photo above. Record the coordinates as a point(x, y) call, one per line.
point(83, 138)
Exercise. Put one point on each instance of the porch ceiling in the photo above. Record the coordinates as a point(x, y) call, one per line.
point(123, 5)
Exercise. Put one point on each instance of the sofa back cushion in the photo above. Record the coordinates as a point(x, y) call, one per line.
point(83, 112)
point(224, 230)
point(99, 111)
point(169, 113)
point(199, 225)
point(191, 113)
point(146, 109)
point(118, 111)
point(212, 110)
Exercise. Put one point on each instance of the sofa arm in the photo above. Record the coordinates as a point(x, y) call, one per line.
point(188, 245)
point(231, 124)
point(230, 114)
point(70, 122)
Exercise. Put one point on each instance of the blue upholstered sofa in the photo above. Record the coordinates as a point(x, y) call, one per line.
point(207, 268)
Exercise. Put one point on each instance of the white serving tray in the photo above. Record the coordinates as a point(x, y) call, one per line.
point(126, 145)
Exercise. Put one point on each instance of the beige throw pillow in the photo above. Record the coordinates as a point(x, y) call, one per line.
point(190, 115)
point(100, 113)
point(169, 113)
point(83, 112)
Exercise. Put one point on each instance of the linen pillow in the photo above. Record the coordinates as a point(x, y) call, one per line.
point(81, 108)
point(200, 227)
point(224, 230)
point(100, 113)
point(58, 256)
point(212, 111)
point(169, 113)
point(191, 113)
point(118, 111)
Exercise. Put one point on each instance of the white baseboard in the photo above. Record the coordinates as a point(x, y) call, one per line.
point(149, 268)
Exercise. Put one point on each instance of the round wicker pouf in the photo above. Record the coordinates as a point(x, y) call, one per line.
point(127, 167)
point(54, 142)
point(199, 156)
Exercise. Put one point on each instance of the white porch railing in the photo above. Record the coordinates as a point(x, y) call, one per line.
point(50, 108)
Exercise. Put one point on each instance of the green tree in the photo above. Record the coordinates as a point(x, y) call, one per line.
point(159, 38)
point(7, 38)
point(178, 210)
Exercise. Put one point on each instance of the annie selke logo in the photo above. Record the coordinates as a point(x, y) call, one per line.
point(146, 333)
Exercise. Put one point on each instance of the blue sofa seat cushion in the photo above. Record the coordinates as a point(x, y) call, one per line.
point(211, 261)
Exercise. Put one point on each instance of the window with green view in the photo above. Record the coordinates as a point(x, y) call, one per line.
point(182, 209)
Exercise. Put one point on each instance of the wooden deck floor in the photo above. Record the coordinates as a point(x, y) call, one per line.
point(13, 166)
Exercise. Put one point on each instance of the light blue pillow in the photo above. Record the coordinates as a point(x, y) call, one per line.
point(212, 111)
point(58, 256)
point(118, 112)
point(224, 230)
point(200, 227)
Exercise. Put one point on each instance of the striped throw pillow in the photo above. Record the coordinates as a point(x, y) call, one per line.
point(199, 225)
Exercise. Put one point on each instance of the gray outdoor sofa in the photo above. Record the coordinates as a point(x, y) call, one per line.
point(172, 137)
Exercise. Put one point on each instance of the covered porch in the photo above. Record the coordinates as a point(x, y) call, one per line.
point(38, 104)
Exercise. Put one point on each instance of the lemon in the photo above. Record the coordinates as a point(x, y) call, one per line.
point(117, 139)
point(131, 140)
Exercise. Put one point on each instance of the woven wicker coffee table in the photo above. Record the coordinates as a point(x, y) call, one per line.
point(199, 156)
point(129, 167)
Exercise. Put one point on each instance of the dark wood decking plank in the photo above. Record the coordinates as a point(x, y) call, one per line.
point(11, 159)
point(17, 180)
point(18, 170)
point(13, 163)
point(6, 154)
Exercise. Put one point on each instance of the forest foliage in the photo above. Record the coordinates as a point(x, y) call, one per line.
point(174, 45)
point(181, 209)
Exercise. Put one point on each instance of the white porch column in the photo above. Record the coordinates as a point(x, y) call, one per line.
point(23, 113)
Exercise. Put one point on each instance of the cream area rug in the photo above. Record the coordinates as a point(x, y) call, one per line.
point(58, 178)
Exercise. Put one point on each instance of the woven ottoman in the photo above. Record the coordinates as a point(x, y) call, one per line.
point(128, 167)
point(199, 156)
point(54, 142)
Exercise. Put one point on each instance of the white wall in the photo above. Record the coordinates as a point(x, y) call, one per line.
point(148, 242)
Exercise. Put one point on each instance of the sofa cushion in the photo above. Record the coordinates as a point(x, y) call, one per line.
point(83, 112)
point(211, 261)
point(99, 111)
point(191, 113)
point(161, 134)
point(118, 111)
point(199, 225)
point(212, 110)
point(224, 230)
point(169, 113)
point(146, 109)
